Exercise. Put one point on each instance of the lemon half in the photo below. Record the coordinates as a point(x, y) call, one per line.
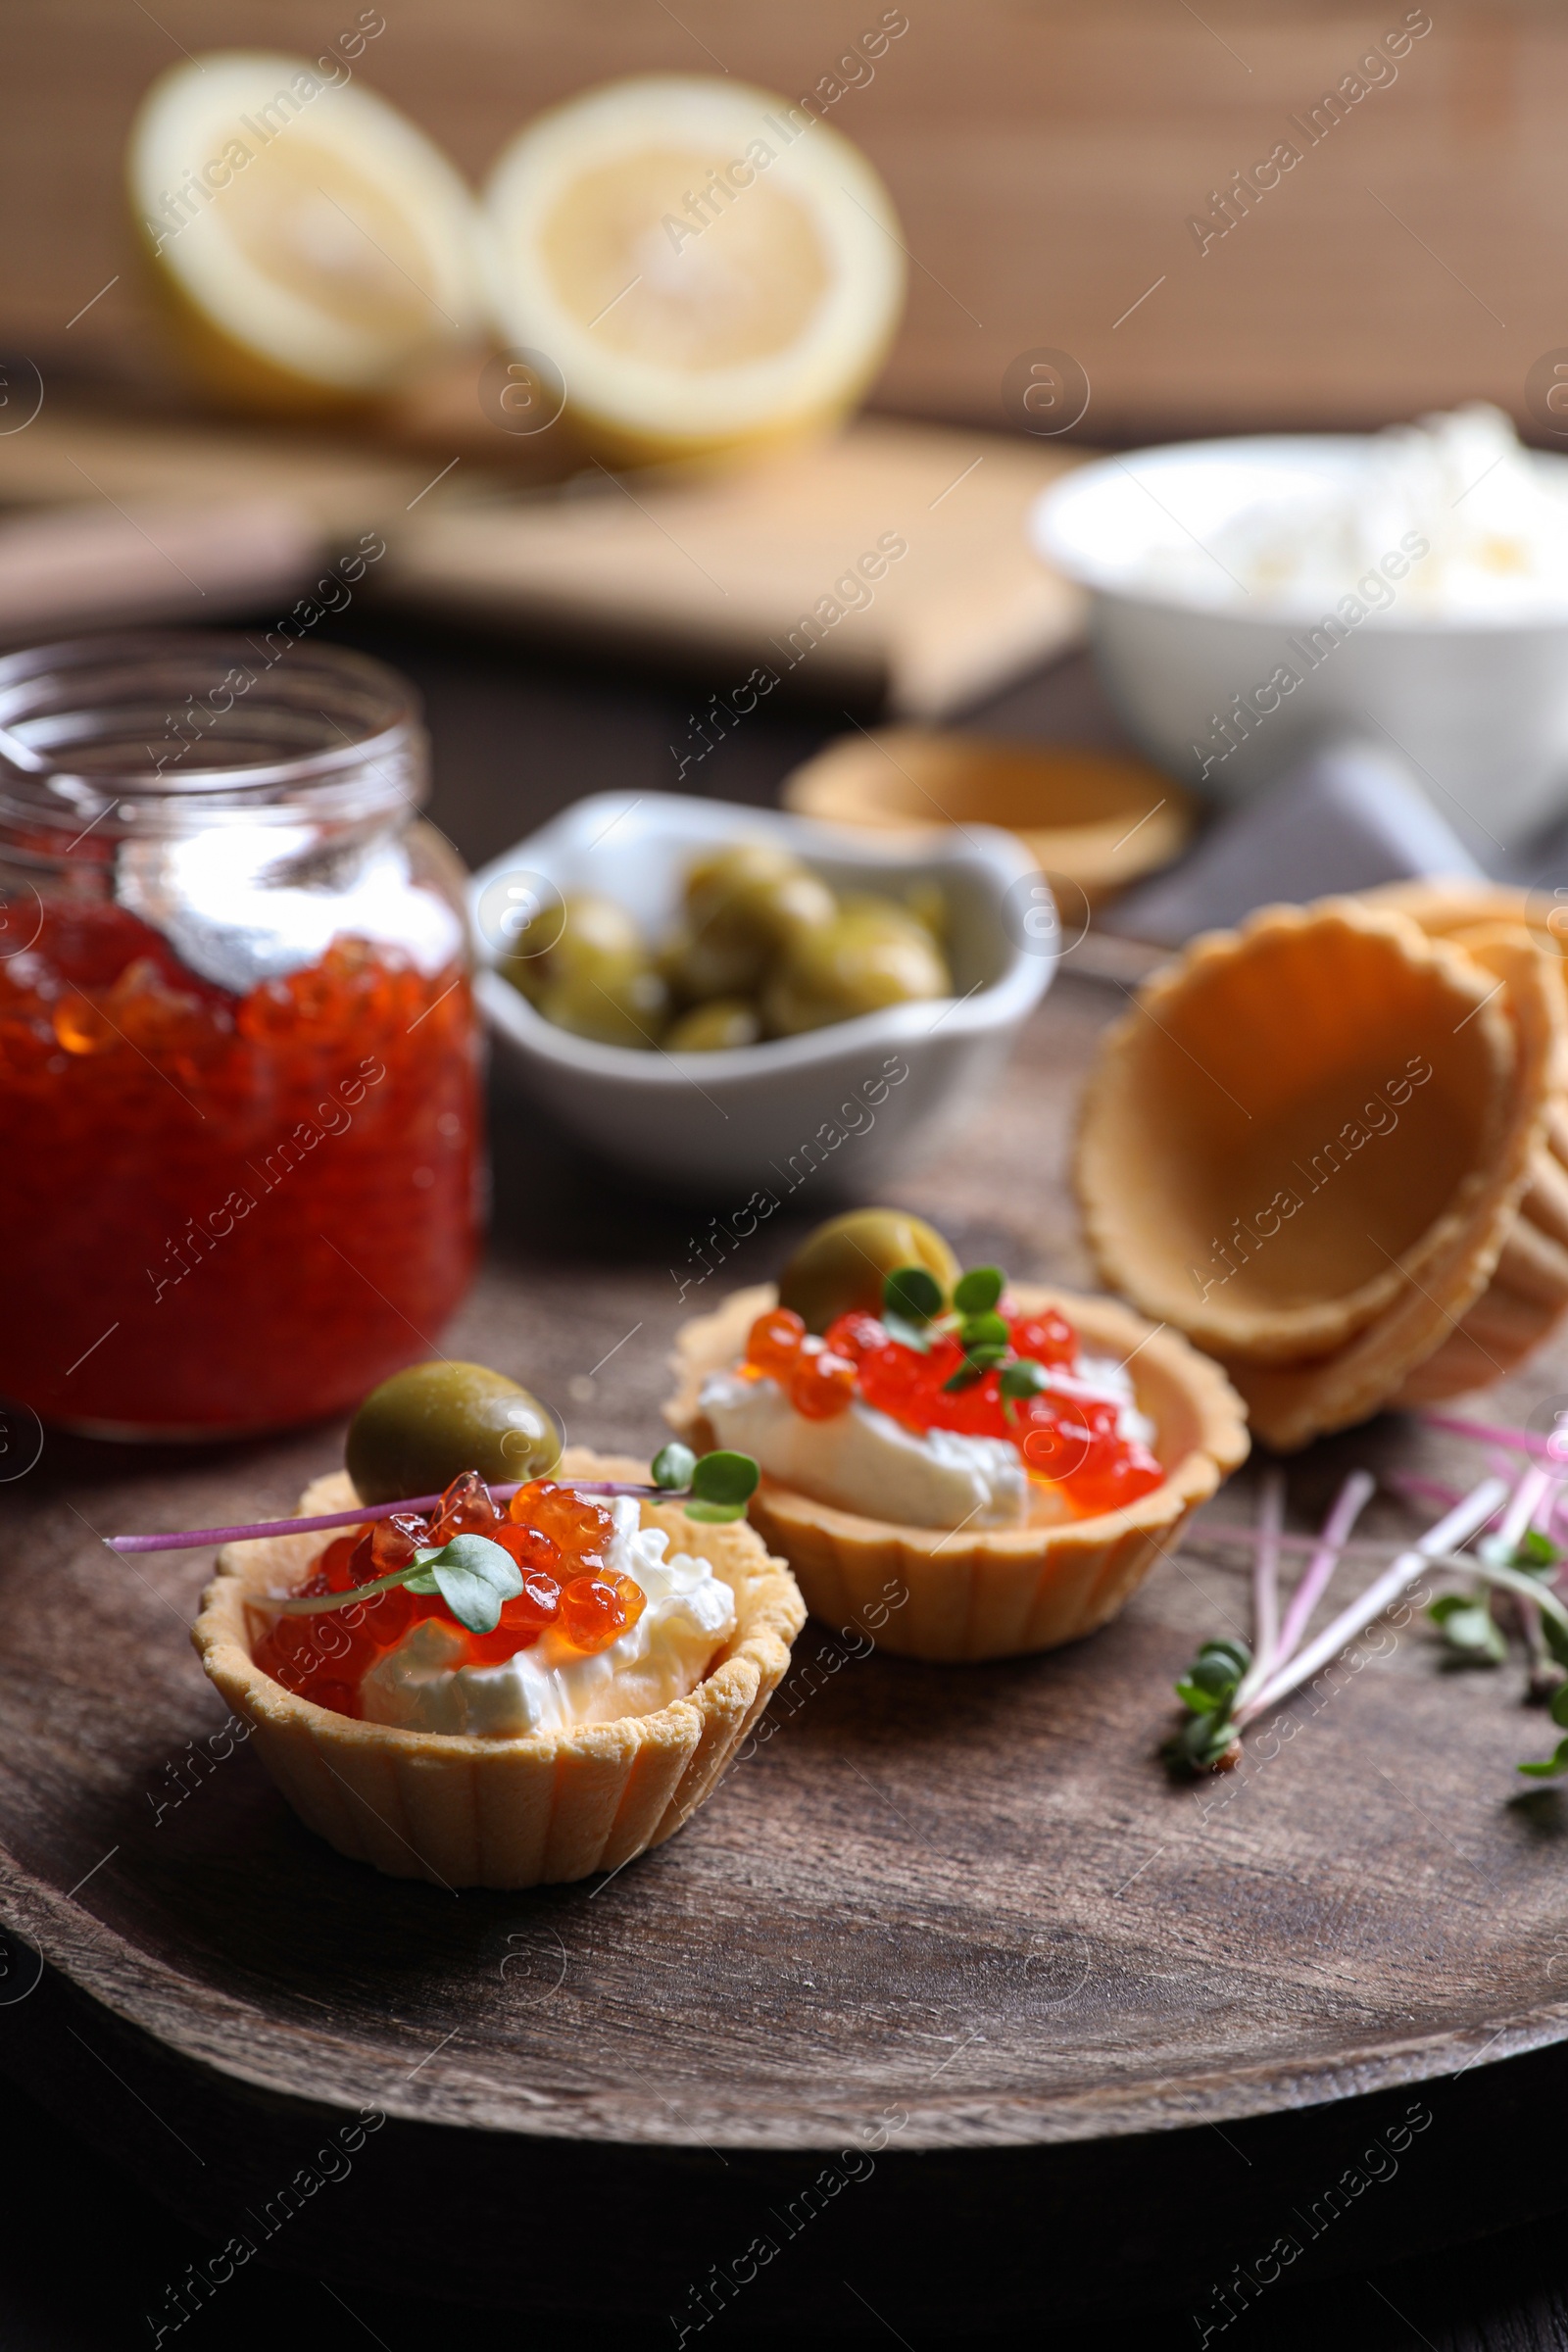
point(316, 247)
point(708, 266)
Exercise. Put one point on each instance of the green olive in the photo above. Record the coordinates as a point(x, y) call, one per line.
point(424, 1427)
point(842, 1265)
point(714, 1027)
point(927, 903)
point(743, 908)
point(873, 953)
point(586, 932)
point(615, 1005)
point(718, 876)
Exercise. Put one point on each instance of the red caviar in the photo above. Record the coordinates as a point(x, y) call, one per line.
point(773, 1342)
point(821, 1383)
point(557, 1539)
point(232, 1212)
point(1072, 1441)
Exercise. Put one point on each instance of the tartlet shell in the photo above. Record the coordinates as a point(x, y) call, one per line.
point(1528, 1293)
point(525, 1812)
point(1239, 1038)
point(1003, 1592)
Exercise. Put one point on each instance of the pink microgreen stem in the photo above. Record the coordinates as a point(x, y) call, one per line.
point(1409, 1485)
point(1552, 1449)
point(1352, 1498)
point(1217, 1531)
point(1523, 1505)
point(1265, 1583)
point(364, 1513)
point(1457, 1526)
point(1248, 1538)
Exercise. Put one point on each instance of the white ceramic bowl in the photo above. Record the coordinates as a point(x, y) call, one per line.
point(844, 1106)
point(1478, 707)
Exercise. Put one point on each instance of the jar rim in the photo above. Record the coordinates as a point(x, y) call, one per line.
point(50, 693)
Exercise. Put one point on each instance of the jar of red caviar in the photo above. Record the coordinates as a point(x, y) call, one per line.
point(239, 1115)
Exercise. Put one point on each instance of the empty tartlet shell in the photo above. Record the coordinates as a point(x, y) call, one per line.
point(1003, 1592)
point(1528, 1293)
point(1244, 1058)
point(524, 1812)
point(1485, 1285)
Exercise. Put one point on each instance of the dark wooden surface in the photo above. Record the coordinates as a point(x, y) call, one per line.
point(967, 1897)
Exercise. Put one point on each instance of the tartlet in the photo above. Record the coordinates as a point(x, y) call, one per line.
point(1528, 1293)
point(502, 1812)
point(1000, 1592)
point(1280, 1092)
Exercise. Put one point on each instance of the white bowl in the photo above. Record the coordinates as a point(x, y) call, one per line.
point(1478, 707)
point(844, 1106)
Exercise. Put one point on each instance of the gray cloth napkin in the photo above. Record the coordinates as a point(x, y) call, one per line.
point(1345, 817)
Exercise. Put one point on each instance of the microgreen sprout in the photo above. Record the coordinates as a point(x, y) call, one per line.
point(1207, 1690)
point(1223, 1693)
point(1548, 1767)
point(723, 1483)
point(1470, 1630)
point(1020, 1380)
point(473, 1576)
point(913, 1313)
point(673, 1464)
point(911, 1300)
point(977, 1291)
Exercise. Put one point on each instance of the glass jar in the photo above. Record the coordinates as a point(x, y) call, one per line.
point(240, 1143)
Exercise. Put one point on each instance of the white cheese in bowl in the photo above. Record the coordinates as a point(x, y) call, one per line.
point(1450, 518)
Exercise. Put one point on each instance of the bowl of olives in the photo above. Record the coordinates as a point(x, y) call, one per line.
point(720, 997)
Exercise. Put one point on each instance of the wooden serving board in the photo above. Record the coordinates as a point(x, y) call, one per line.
point(955, 1919)
point(891, 562)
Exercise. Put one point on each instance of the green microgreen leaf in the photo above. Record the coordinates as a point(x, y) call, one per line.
point(1555, 1636)
point(1559, 1707)
point(913, 1294)
point(1195, 1700)
point(984, 1331)
point(1470, 1630)
point(473, 1576)
point(673, 1464)
point(1209, 1682)
point(1023, 1378)
point(975, 1292)
point(1201, 1741)
point(976, 1364)
point(715, 1513)
point(1546, 1768)
point(419, 1580)
point(1537, 1551)
point(1225, 1647)
point(726, 1479)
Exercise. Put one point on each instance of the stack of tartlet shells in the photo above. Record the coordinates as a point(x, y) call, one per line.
point(523, 1812)
point(955, 1595)
point(1330, 1148)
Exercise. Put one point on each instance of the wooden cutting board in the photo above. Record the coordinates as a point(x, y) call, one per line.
point(962, 1908)
point(890, 563)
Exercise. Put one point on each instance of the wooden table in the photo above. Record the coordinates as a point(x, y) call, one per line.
point(1077, 1954)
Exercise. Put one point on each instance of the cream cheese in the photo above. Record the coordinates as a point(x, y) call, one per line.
point(421, 1686)
point(1483, 520)
point(862, 1460)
